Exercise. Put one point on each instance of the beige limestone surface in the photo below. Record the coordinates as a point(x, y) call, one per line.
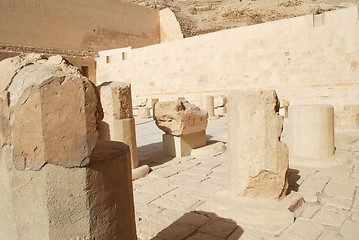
point(116, 100)
point(258, 159)
point(311, 131)
point(180, 146)
point(92, 25)
point(305, 62)
point(40, 117)
point(179, 117)
point(69, 203)
point(208, 104)
point(144, 112)
point(169, 27)
point(57, 180)
point(118, 123)
point(184, 197)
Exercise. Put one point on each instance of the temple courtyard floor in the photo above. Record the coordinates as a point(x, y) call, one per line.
point(188, 197)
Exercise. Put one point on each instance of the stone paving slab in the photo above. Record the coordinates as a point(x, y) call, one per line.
point(184, 198)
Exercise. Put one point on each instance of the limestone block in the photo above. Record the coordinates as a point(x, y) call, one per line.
point(180, 146)
point(208, 104)
point(144, 112)
point(151, 102)
point(180, 117)
point(93, 202)
point(40, 104)
point(311, 131)
point(283, 108)
point(116, 100)
point(220, 101)
point(346, 118)
point(118, 123)
point(122, 130)
point(140, 172)
point(209, 150)
point(258, 159)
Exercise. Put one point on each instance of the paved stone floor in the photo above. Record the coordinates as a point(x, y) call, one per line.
point(181, 197)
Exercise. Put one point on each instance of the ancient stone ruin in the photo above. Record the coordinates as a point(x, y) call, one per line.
point(184, 125)
point(311, 129)
point(258, 159)
point(118, 123)
point(69, 148)
point(58, 180)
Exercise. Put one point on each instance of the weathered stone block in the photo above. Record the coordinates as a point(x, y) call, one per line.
point(122, 130)
point(283, 107)
point(40, 102)
point(116, 100)
point(346, 118)
point(311, 131)
point(258, 159)
point(151, 102)
point(180, 146)
point(180, 117)
point(93, 202)
point(118, 123)
point(144, 112)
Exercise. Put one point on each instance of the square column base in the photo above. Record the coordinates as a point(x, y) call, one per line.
point(180, 146)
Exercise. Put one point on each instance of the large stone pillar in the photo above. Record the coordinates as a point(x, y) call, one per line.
point(184, 124)
point(258, 159)
point(118, 123)
point(311, 131)
point(56, 180)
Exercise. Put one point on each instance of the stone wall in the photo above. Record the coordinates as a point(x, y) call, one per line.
point(89, 25)
point(307, 59)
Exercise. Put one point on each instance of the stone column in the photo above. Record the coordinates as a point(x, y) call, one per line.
point(184, 124)
point(56, 180)
point(258, 159)
point(144, 112)
point(118, 123)
point(208, 104)
point(311, 131)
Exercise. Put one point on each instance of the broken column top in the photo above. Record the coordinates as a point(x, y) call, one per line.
point(116, 100)
point(51, 110)
point(179, 117)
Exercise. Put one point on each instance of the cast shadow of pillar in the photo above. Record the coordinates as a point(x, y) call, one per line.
point(196, 225)
point(104, 131)
point(293, 177)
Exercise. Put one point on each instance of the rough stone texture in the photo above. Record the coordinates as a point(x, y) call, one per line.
point(118, 123)
point(179, 117)
point(116, 100)
point(258, 159)
point(56, 202)
point(40, 101)
point(348, 117)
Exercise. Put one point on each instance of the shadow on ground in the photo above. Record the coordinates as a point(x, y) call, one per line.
point(293, 177)
point(200, 225)
point(152, 155)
